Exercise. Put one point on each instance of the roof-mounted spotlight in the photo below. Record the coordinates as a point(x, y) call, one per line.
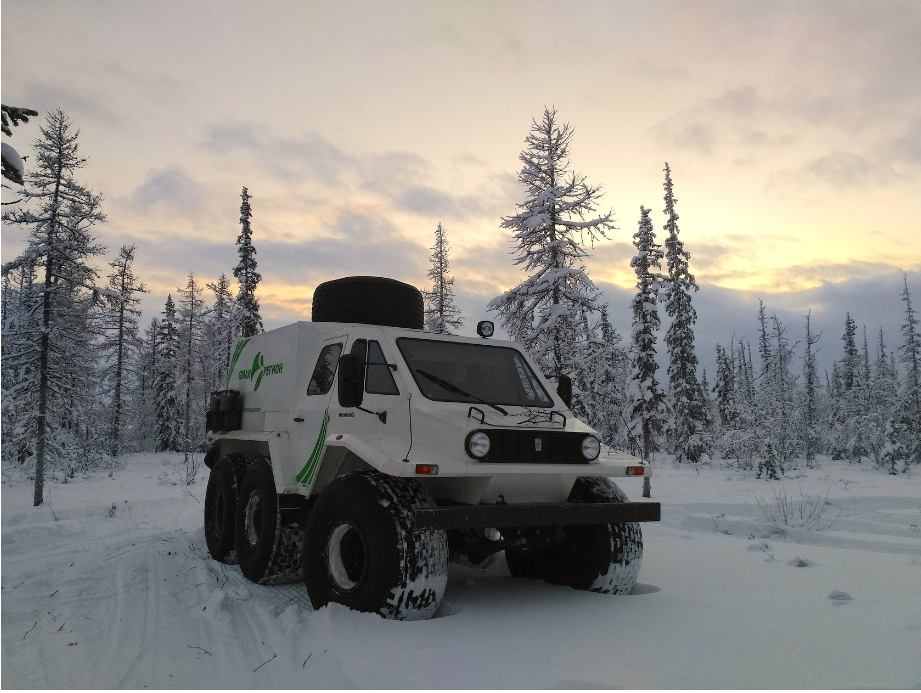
point(485, 329)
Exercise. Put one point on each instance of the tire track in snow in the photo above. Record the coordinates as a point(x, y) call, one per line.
point(134, 632)
point(241, 627)
point(115, 651)
point(147, 659)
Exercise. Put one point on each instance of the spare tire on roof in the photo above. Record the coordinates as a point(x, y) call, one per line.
point(370, 301)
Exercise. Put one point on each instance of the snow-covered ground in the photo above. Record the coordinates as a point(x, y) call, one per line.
point(110, 586)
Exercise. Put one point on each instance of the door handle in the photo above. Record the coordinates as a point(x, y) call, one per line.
point(298, 419)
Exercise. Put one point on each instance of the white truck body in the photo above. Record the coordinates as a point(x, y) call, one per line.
point(310, 438)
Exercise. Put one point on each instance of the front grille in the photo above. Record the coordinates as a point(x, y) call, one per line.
point(520, 446)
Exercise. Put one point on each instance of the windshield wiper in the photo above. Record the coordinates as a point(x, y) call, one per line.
point(457, 391)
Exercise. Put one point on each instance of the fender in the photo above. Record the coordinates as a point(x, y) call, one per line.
point(276, 443)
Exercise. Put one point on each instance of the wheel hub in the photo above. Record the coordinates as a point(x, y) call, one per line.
point(346, 557)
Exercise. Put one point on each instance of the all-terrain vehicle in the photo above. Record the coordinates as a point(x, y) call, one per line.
point(360, 453)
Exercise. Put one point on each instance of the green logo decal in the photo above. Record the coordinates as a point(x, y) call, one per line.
point(237, 351)
point(258, 363)
point(259, 370)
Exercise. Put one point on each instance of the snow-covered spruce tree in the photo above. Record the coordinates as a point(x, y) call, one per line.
point(646, 412)
point(145, 433)
point(60, 214)
point(872, 413)
point(19, 400)
point(761, 408)
point(246, 274)
point(599, 384)
point(441, 314)
point(769, 463)
point(191, 374)
point(120, 330)
point(168, 411)
point(907, 431)
point(690, 415)
point(545, 311)
point(727, 414)
point(810, 395)
point(848, 407)
point(745, 435)
point(884, 402)
point(221, 330)
point(780, 403)
point(12, 166)
point(764, 340)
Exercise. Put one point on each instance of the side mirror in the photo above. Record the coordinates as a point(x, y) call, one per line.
point(563, 389)
point(351, 380)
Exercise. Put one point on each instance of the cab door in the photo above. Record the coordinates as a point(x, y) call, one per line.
point(384, 409)
point(310, 420)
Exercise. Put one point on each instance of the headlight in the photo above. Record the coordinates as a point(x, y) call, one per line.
point(478, 444)
point(591, 448)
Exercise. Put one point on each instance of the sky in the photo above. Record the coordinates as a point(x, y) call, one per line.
point(793, 131)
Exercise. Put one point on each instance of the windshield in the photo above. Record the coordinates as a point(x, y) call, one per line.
point(456, 372)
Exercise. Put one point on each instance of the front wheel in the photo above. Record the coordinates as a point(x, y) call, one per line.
point(361, 548)
point(596, 558)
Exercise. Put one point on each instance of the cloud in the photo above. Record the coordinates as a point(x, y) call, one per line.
point(288, 159)
point(400, 178)
point(838, 170)
point(695, 135)
point(171, 189)
point(844, 170)
point(388, 172)
point(737, 117)
point(610, 255)
point(363, 243)
point(83, 104)
point(906, 146)
point(94, 91)
point(723, 314)
point(425, 200)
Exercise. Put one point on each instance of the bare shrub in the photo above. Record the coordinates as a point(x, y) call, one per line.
point(806, 512)
point(191, 466)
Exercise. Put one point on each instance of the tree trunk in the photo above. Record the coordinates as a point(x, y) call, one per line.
point(119, 368)
point(41, 428)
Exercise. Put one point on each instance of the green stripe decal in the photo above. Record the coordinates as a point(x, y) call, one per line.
point(238, 350)
point(310, 469)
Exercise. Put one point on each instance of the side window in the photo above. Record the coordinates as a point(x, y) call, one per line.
point(325, 370)
point(380, 379)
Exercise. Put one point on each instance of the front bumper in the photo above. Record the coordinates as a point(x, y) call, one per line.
point(535, 515)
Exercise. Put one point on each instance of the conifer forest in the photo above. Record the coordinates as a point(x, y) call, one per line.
point(87, 378)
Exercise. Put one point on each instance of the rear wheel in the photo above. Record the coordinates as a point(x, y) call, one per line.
point(361, 548)
point(220, 510)
point(268, 551)
point(596, 558)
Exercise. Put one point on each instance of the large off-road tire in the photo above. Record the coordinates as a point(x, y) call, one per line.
point(268, 551)
point(370, 301)
point(220, 511)
point(361, 548)
point(597, 558)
